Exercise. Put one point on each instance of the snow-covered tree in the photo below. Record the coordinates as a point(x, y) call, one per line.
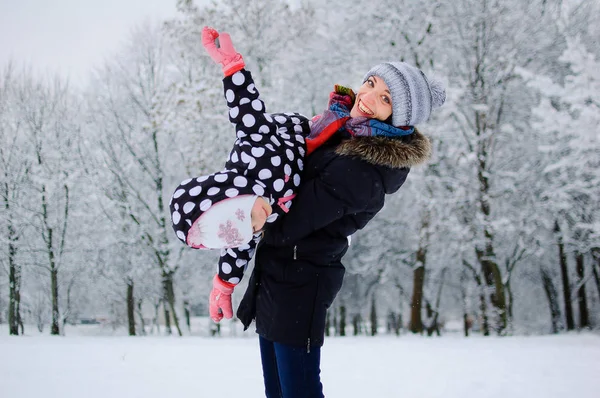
point(48, 111)
point(134, 105)
point(13, 179)
point(567, 119)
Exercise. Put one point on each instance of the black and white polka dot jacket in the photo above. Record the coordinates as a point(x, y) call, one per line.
point(266, 160)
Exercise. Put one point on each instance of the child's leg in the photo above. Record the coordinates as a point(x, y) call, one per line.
point(246, 109)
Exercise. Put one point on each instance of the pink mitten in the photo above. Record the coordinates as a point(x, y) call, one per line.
point(225, 54)
point(219, 302)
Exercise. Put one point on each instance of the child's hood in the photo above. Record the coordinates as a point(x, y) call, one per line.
point(266, 165)
point(194, 196)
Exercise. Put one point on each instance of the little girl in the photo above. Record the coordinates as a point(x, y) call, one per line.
point(228, 209)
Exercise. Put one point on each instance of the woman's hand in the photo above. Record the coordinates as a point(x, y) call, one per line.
point(224, 54)
point(219, 301)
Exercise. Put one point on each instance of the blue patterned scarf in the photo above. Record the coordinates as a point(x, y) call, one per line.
point(340, 103)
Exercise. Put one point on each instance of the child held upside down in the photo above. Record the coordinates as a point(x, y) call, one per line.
point(228, 209)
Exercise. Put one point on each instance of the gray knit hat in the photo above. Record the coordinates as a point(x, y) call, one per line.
point(413, 95)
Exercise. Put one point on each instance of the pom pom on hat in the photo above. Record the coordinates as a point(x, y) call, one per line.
point(438, 93)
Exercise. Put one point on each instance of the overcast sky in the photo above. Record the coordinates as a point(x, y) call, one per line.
point(71, 36)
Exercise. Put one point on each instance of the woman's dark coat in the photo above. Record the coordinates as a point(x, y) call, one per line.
point(298, 269)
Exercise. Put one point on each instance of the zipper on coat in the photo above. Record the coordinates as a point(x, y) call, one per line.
point(295, 247)
point(308, 346)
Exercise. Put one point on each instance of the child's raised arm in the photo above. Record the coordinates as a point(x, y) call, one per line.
point(246, 109)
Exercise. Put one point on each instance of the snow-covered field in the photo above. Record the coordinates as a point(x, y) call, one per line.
point(407, 366)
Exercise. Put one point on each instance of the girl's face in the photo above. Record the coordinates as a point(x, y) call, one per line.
point(260, 211)
point(373, 100)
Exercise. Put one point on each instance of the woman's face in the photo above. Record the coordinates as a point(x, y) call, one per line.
point(373, 100)
point(260, 211)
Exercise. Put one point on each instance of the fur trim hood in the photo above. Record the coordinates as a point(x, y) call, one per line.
point(396, 153)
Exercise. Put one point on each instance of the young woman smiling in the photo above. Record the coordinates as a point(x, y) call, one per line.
point(365, 145)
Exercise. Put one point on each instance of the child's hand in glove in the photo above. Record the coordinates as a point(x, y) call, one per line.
point(225, 54)
point(219, 301)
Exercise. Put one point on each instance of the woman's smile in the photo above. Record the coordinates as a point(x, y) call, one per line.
point(373, 100)
point(364, 109)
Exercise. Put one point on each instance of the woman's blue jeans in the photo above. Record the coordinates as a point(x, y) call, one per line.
point(290, 371)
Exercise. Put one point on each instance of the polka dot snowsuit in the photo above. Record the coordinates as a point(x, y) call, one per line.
point(266, 160)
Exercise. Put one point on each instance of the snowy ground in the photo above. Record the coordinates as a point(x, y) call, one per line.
point(193, 366)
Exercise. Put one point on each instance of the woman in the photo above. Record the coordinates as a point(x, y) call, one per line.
point(364, 146)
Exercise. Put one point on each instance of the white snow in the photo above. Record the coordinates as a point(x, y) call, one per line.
point(384, 366)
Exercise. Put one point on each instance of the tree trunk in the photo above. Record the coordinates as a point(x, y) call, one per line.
point(398, 324)
point(494, 284)
point(170, 298)
point(163, 251)
point(13, 325)
point(416, 322)
point(215, 329)
point(336, 325)
point(429, 314)
point(19, 318)
point(14, 291)
point(49, 240)
point(155, 322)
point(141, 316)
point(485, 325)
point(328, 323)
point(14, 272)
point(484, 322)
point(54, 286)
point(393, 323)
point(509, 309)
point(463, 292)
point(188, 315)
point(584, 319)
point(434, 324)
point(596, 276)
point(130, 308)
point(552, 296)
point(342, 320)
point(356, 324)
point(67, 313)
point(486, 254)
point(562, 258)
point(167, 317)
point(373, 317)
point(466, 324)
point(54, 330)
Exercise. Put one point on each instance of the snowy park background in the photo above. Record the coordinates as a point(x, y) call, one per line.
point(494, 245)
